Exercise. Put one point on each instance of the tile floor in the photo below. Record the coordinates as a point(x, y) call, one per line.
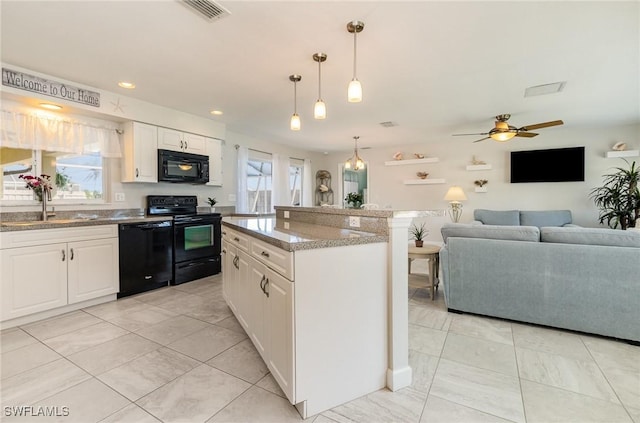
point(178, 355)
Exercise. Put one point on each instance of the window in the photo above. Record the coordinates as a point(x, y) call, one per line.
point(296, 167)
point(79, 177)
point(259, 182)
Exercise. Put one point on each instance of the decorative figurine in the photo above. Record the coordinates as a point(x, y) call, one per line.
point(397, 156)
point(619, 146)
point(418, 155)
point(422, 175)
point(481, 182)
point(474, 161)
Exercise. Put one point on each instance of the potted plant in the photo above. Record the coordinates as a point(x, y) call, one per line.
point(212, 202)
point(354, 200)
point(419, 233)
point(619, 198)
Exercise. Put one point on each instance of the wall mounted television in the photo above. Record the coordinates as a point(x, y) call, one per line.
point(552, 165)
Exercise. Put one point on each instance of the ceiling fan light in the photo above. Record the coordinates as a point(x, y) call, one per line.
point(295, 122)
point(354, 91)
point(320, 110)
point(502, 136)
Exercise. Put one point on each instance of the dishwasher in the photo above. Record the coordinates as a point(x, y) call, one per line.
point(146, 256)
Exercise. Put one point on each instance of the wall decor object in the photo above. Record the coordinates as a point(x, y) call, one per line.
point(422, 175)
point(418, 155)
point(619, 146)
point(398, 156)
point(324, 193)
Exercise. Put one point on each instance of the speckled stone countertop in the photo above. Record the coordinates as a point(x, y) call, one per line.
point(8, 226)
point(299, 235)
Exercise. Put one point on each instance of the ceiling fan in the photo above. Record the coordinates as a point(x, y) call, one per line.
point(504, 132)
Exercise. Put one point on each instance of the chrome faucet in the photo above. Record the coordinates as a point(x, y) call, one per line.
point(46, 196)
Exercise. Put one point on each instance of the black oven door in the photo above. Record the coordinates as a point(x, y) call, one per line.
point(196, 237)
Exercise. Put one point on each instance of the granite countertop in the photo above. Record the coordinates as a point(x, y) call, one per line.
point(8, 226)
point(299, 235)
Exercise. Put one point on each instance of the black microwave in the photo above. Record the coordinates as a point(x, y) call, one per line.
point(176, 166)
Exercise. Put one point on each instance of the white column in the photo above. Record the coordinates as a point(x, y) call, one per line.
point(398, 372)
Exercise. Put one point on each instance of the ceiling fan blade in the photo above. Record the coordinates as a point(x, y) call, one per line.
point(482, 139)
point(526, 134)
point(476, 133)
point(541, 125)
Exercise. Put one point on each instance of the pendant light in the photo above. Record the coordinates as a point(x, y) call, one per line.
point(354, 93)
point(320, 109)
point(355, 162)
point(295, 119)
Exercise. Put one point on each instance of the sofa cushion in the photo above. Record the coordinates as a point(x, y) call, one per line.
point(590, 236)
point(545, 218)
point(512, 233)
point(497, 217)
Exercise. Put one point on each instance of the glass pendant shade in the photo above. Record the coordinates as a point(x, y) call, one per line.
point(502, 136)
point(295, 122)
point(354, 92)
point(320, 110)
point(354, 162)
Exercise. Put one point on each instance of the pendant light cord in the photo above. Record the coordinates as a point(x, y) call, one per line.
point(319, 80)
point(355, 52)
point(295, 97)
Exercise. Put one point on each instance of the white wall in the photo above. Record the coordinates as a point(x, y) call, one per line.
point(387, 190)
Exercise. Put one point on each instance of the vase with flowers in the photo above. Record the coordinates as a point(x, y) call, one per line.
point(39, 184)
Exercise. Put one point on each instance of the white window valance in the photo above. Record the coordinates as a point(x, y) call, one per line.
point(35, 132)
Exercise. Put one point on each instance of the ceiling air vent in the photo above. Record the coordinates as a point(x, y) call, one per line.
point(210, 10)
point(388, 124)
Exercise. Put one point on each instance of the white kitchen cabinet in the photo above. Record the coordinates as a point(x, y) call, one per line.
point(214, 151)
point(34, 279)
point(50, 268)
point(170, 139)
point(93, 269)
point(140, 153)
point(235, 281)
point(257, 303)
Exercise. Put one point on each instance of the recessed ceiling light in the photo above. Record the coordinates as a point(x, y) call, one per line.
point(544, 89)
point(50, 106)
point(216, 112)
point(127, 85)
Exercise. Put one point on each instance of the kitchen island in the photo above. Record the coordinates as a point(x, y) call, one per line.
point(313, 299)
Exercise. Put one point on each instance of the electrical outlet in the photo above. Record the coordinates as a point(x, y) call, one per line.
point(119, 196)
point(286, 214)
point(354, 221)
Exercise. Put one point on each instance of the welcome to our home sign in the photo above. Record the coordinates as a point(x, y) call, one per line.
point(26, 82)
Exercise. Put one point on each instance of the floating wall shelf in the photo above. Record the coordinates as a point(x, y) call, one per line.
point(479, 167)
point(625, 153)
point(412, 161)
point(423, 181)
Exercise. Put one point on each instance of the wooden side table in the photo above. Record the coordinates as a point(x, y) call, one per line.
point(431, 254)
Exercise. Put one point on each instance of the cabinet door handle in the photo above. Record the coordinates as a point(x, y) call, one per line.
point(262, 282)
point(64, 256)
point(224, 232)
point(236, 239)
point(71, 256)
point(186, 146)
point(266, 285)
point(137, 173)
point(181, 144)
point(235, 262)
point(264, 253)
point(224, 251)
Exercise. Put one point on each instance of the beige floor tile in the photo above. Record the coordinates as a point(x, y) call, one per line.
point(321, 418)
point(545, 404)
point(427, 317)
point(426, 340)
point(551, 341)
point(438, 410)
point(203, 287)
point(269, 383)
point(130, 414)
point(404, 405)
point(484, 390)
point(610, 353)
point(193, 397)
point(172, 329)
point(583, 377)
point(33, 385)
point(231, 323)
point(205, 344)
point(482, 327)
point(625, 383)
point(423, 368)
point(55, 326)
point(104, 357)
point(257, 406)
point(26, 358)
point(634, 413)
point(139, 319)
point(209, 311)
point(11, 339)
point(84, 338)
point(481, 353)
point(159, 295)
point(114, 309)
point(137, 378)
point(89, 401)
point(241, 360)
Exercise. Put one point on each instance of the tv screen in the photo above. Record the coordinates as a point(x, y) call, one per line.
point(554, 165)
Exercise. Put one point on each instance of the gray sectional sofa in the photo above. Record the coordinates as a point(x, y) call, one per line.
point(582, 279)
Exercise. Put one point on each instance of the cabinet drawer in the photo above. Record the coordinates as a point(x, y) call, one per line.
point(14, 239)
point(276, 258)
point(236, 238)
